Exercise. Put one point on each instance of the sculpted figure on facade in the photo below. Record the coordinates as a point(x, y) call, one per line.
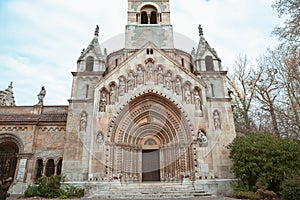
point(187, 94)
point(197, 99)
point(100, 138)
point(169, 81)
point(122, 86)
point(41, 96)
point(160, 76)
point(202, 139)
point(83, 121)
point(178, 86)
point(103, 102)
point(217, 120)
point(140, 76)
point(130, 81)
point(112, 94)
point(150, 71)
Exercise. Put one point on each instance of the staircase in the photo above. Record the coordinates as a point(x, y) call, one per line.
point(151, 190)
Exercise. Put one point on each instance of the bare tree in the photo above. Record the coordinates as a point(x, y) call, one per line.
point(289, 32)
point(242, 83)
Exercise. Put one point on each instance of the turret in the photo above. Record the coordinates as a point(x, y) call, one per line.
point(92, 59)
point(205, 58)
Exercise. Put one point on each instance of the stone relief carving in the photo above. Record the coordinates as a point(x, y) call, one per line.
point(112, 94)
point(169, 81)
point(197, 100)
point(178, 86)
point(103, 102)
point(201, 138)
point(122, 86)
point(130, 81)
point(100, 138)
point(140, 76)
point(217, 120)
point(187, 94)
point(150, 71)
point(41, 96)
point(83, 121)
point(160, 76)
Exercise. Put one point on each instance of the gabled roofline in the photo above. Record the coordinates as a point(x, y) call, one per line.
point(161, 52)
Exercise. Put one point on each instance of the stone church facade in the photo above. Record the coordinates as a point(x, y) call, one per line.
point(147, 112)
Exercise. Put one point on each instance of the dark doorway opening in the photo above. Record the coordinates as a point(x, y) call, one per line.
point(151, 165)
point(8, 159)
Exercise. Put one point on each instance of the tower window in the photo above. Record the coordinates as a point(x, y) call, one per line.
point(153, 18)
point(149, 51)
point(209, 63)
point(87, 87)
point(144, 18)
point(182, 62)
point(89, 64)
point(137, 17)
point(116, 63)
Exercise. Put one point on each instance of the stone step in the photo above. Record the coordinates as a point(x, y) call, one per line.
point(146, 191)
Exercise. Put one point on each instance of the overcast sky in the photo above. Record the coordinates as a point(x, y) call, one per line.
point(41, 40)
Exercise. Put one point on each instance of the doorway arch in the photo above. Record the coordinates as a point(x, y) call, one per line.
point(150, 124)
point(8, 158)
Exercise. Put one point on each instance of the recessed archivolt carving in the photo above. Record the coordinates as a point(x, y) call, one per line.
point(168, 120)
point(9, 137)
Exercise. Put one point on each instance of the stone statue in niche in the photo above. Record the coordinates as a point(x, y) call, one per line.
point(160, 76)
point(217, 121)
point(112, 94)
point(169, 81)
point(197, 99)
point(140, 76)
point(178, 86)
point(83, 121)
point(103, 102)
point(201, 138)
point(41, 96)
point(150, 71)
point(100, 138)
point(130, 81)
point(187, 94)
point(122, 86)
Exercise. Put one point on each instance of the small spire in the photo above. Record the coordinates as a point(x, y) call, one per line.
point(97, 31)
point(10, 87)
point(82, 52)
point(200, 30)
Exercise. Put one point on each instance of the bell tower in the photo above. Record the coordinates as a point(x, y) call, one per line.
point(149, 21)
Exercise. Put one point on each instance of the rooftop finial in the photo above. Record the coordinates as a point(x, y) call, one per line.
point(200, 30)
point(97, 30)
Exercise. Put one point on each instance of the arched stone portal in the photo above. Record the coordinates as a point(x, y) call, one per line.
point(8, 158)
point(150, 127)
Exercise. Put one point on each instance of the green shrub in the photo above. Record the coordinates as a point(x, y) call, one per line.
point(264, 194)
point(243, 195)
point(32, 191)
point(72, 192)
point(263, 160)
point(50, 187)
point(291, 190)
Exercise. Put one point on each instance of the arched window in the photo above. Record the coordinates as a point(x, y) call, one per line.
point(39, 169)
point(209, 63)
point(144, 18)
point(89, 64)
point(153, 18)
point(50, 168)
point(59, 167)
